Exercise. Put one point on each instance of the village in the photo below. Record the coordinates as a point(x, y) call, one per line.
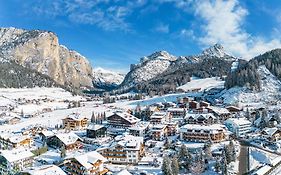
point(183, 134)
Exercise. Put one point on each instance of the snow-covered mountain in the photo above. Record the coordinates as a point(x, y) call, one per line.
point(106, 79)
point(158, 63)
point(268, 93)
point(40, 50)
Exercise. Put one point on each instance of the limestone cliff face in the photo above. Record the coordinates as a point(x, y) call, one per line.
point(41, 51)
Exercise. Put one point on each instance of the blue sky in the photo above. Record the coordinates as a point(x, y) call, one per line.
point(115, 33)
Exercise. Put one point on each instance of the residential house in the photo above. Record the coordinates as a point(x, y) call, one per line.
point(201, 118)
point(125, 149)
point(159, 132)
point(68, 141)
point(13, 161)
point(271, 134)
point(96, 130)
point(44, 170)
point(160, 117)
point(75, 121)
point(233, 109)
point(194, 105)
point(238, 126)
point(177, 113)
point(122, 120)
point(202, 133)
point(140, 129)
point(88, 163)
point(11, 141)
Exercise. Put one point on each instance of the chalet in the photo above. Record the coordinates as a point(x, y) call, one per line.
point(44, 170)
point(221, 113)
point(160, 117)
point(122, 120)
point(204, 104)
point(201, 133)
point(44, 135)
point(203, 118)
point(8, 141)
point(125, 149)
point(149, 110)
point(88, 163)
point(272, 134)
point(96, 130)
point(159, 132)
point(68, 141)
point(13, 161)
point(172, 128)
point(184, 100)
point(12, 120)
point(140, 129)
point(194, 105)
point(233, 109)
point(177, 113)
point(75, 122)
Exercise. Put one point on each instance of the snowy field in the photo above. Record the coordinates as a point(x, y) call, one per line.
point(11, 94)
point(202, 84)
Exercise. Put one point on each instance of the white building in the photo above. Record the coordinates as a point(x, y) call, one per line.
point(238, 126)
point(140, 129)
point(45, 170)
point(124, 149)
point(15, 160)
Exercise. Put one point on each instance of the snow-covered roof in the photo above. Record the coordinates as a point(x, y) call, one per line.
point(95, 127)
point(211, 128)
point(158, 115)
point(46, 170)
point(176, 110)
point(76, 116)
point(88, 159)
point(238, 121)
point(16, 154)
point(68, 138)
point(128, 117)
point(140, 126)
point(124, 172)
point(270, 131)
point(196, 115)
point(129, 142)
point(47, 133)
point(219, 110)
point(158, 127)
point(14, 138)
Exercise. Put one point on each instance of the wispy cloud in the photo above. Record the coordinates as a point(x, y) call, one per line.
point(162, 28)
point(223, 23)
point(107, 15)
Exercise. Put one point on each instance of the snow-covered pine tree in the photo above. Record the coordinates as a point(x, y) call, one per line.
point(166, 166)
point(175, 166)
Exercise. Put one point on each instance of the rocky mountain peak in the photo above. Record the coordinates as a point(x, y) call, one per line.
point(216, 50)
point(41, 51)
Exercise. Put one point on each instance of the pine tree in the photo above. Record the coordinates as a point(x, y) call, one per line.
point(21, 113)
point(224, 163)
point(166, 166)
point(232, 151)
point(217, 166)
point(175, 166)
point(62, 152)
point(93, 118)
point(184, 157)
point(207, 151)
